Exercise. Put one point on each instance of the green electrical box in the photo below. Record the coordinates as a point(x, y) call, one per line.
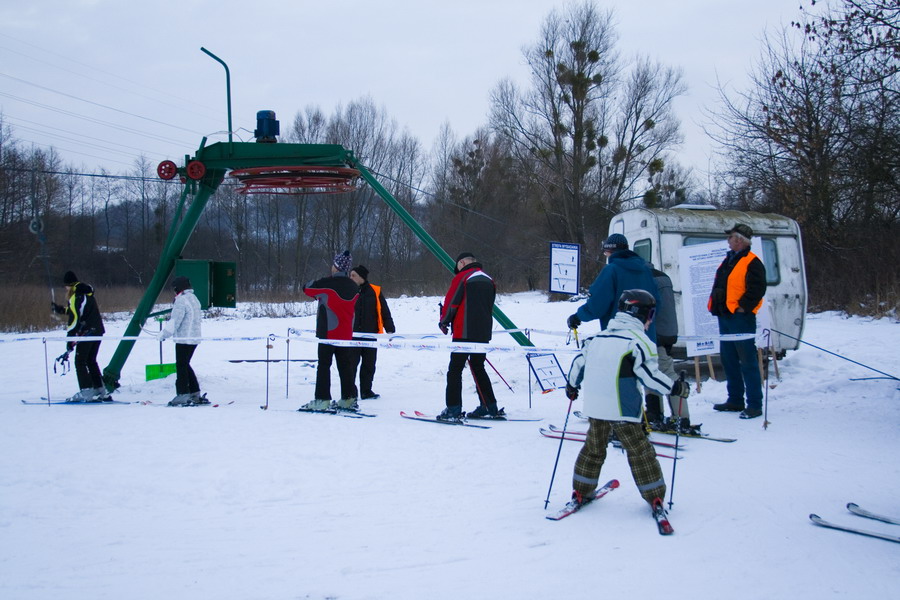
point(215, 283)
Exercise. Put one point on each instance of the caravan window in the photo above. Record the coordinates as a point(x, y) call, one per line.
point(769, 255)
point(643, 249)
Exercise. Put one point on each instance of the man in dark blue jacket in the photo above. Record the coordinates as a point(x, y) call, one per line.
point(624, 270)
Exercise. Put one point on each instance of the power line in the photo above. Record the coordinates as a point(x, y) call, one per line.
point(112, 108)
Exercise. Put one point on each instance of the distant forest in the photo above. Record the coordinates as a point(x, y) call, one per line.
point(816, 138)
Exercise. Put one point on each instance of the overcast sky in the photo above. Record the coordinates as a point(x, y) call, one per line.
point(104, 81)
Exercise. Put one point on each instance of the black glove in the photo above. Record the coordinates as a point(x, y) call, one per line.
point(571, 392)
point(681, 388)
point(70, 346)
point(573, 321)
point(57, 308)
point(444, 328)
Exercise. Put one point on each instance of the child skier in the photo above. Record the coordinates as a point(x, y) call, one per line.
point(613, 401)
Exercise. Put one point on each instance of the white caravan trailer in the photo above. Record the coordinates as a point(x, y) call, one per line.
point(658, 234)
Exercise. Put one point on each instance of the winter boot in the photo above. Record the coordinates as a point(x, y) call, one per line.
point(487, 412)
point(370, 396)
point(180, 400)
point(317, 406)
point(347, 404)
point(451, 413)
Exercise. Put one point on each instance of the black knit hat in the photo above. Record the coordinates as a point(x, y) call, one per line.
point(614, 242)
point(181, 283)
point(70, 278)
point(463, 255)
point(362, 271)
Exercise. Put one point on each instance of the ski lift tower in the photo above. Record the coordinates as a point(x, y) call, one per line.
point(268, 167)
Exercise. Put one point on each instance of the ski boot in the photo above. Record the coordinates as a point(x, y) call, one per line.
point(82, 395)
point(316, 406)
point(181, 400)
point(451, 413)
point(346, 404)
point(198, 399)
point(487, 412)
point(685, 427)
point(101, 394)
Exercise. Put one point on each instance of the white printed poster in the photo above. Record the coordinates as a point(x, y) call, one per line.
point(565, 265)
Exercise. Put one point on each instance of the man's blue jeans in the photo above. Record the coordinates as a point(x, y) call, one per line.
point(740, 362)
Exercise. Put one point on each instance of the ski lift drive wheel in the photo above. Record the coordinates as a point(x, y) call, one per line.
point(196, 169)
point(166, 170)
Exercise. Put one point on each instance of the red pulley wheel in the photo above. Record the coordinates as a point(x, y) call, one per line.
point(196, 169)
point(166, 170)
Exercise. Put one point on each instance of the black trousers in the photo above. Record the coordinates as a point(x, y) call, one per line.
point(346, 365)
point(365, 359)
point(86, 368)
point(185, 380)
point(454, 378)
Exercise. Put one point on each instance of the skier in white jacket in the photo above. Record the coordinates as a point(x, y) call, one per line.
point(607, 372)
point(184, 326)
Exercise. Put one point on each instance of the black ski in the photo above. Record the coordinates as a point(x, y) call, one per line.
point(501, 418)
point(572, 506)
point(856, 510)
point(425, 418)
point(823, 523)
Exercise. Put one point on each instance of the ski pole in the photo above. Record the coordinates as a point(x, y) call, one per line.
point(562, 438)
point(499, 375)
point(677, 431)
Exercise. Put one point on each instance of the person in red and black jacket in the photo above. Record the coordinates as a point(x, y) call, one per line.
point(372, 316)
point(334, 321)
point(468, 310)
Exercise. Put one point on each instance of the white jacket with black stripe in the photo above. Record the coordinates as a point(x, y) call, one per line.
point(611, 365)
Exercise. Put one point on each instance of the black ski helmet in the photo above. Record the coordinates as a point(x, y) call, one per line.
point(638, 303)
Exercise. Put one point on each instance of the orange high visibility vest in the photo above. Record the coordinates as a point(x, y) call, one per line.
point(737, 284)
point(377, 289)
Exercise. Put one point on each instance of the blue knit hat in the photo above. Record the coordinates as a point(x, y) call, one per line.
point(343, 261)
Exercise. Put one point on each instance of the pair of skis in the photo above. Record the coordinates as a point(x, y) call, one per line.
point(861, 512)
point(573, 506)
point(45, 402)
point(579, 436)
point(699, 436)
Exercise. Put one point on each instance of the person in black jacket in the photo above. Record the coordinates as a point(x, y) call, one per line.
point(372, 316)
point(737, 294)
point(84, 319)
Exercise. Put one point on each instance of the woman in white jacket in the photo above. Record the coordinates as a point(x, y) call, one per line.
point(184, 326)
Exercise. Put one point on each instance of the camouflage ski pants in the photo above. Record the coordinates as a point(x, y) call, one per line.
point(641, 458)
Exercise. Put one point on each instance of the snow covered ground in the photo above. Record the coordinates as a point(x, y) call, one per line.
point(149, 502)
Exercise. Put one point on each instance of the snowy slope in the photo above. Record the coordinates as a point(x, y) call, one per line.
point(149, 502)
